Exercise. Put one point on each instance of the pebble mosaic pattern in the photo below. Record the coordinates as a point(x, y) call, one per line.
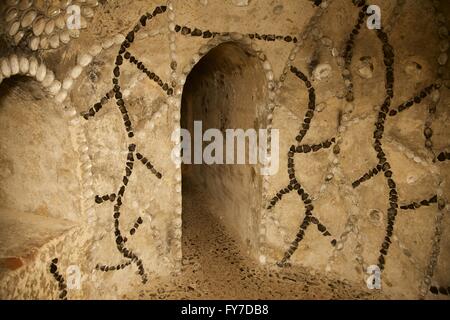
point(43, 24)
point(20, 22)
point(59, 278)
point(294, 183)
point(123, 53)
point(383, 167)
point(233, 275)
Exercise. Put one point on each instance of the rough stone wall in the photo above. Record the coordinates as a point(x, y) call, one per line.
point(109, 134)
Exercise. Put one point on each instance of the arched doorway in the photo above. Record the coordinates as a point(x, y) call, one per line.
point(226, 89)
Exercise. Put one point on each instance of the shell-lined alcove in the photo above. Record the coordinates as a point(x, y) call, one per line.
point(95, 203)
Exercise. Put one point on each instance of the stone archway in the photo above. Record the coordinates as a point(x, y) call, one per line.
point(226, 89)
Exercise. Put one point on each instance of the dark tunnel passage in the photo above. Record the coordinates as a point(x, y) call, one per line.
point(225, 90)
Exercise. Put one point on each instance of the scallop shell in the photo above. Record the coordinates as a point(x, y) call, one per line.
point(33, 66)
point(11, 14)
point(14, 64)
point(41, 72)
point(49, 26)
point(24, 65)
point(28, 18)
point(39, 26)
point(5, 68)
point(14, 27)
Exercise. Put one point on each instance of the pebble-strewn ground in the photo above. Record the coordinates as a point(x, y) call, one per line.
point(214, 268)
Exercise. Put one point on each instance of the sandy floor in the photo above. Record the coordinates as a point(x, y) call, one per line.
point(214, 268)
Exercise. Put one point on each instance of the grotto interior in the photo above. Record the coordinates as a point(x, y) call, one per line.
point(353, 97)
point(226, 90)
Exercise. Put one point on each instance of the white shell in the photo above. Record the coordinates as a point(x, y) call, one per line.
point(322, 71)
point(48, 80)
point(84, 59)
point(49, 26)
point(87, 12)
point(95, 50)
point(39, 26)
point(67, 83)
point(54, 41)
point(34, 43)
point(92, 3)
point(11, 14)
point(107, 43)
point(41, 72)
point(54, 88)
point(443, 58)
point(60, 21)
point(19, 36)
point(44, 42)
point(64, 3)
point(61, 96)
point(14, 27)
point(5, 68)
point(435, 96)
point(64, 36)
point(119, 38)
point(75, 73)
point(53, 11)
point(14, 64)
point(28, 18)
point(33, 66)
point(24, 65)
